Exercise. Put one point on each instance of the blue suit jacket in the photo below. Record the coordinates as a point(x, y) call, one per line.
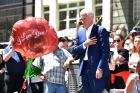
point(98, 54)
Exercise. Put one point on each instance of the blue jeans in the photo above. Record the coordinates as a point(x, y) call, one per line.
point(54, 88)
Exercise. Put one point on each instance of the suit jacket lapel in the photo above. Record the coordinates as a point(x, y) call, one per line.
point(94, 31)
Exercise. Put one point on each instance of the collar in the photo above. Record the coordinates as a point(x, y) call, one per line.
point(89, 31)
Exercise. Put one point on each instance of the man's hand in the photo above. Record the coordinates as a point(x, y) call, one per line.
point(42, 77)
point(78, 25)
point(68, 62)
point(99, 73)
point(90, 41)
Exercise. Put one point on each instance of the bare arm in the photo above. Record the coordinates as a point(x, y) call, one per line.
point(117, 58)
point(68, 62)
point(129, 85)
point(7, 56)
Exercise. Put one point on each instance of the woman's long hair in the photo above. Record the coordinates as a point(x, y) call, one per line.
point(138, 68)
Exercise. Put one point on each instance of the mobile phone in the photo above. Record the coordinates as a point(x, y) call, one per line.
point(80, 23)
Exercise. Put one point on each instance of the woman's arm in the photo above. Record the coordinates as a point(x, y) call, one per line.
point(7, 56)
point(129, 84)
point(132, 67)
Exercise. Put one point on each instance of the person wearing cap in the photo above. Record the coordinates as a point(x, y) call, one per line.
point(61, 41)
point(130, 38)
point(64, 42)
point(55, 65)
point(132, 34)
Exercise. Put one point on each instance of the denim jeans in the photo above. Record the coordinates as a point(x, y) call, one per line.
point(54, 88)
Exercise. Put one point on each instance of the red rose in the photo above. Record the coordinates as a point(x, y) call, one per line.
point(33, 37)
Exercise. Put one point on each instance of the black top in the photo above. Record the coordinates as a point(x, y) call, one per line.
point(1, 64)
point(14, 67)
point(123, 66)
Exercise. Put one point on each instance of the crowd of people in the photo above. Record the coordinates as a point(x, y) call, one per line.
point(123, 61)
point(107, 60)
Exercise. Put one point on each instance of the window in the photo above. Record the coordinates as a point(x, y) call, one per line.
point(69, 14)
point(46, 13)
point(136, 10)
point(98, 11)
point(72, 13)
point(46, 16)
point(98, 1)
point(4, 2)
point(62, 25)
point(46, 9)
point(72, 5)
point(62, 15)
point(72, 24)
point(62, 6)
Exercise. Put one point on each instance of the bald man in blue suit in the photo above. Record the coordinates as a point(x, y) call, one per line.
point(92, 45)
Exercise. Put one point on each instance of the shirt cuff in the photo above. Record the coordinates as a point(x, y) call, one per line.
point(84, 46)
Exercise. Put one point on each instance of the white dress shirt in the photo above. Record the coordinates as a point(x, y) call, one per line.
point(88, 31)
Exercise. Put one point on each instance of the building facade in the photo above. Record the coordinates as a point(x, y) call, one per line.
point(136, 17)
point(12, 11)
point(63, 14)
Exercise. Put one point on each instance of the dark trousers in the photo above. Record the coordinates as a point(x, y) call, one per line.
point(2, 83)
point(89, 81)
point(108, 83)
point(37, 87)
point(118, 83)
point(13, 83)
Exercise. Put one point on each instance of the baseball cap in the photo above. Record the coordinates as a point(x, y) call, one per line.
point(66, 38)
point(133, 31)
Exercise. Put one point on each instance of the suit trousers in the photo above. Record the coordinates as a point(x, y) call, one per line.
point(89, 81)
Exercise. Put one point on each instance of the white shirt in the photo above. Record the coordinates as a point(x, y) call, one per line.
point(88, 31)
point(53, 65)
point(134, 58)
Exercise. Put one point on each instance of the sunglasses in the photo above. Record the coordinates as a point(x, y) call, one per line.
point(117, 40)
point(127, 44)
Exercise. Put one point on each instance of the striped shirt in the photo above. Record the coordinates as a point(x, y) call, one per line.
point(53, 65)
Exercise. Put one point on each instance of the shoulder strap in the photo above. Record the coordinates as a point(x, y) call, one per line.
point(20, 57)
